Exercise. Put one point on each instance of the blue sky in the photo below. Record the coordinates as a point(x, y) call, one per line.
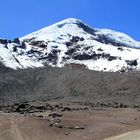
point(20, 17)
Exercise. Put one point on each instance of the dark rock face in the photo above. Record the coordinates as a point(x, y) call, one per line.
point(29, 40)
point(93, 56)
point(52, 57)
point(105, 55)
point(86, 28)
point(132, 62)
point(75, 39)
point(112, 58)
point(16, 40)
point(82, 39)
point(68, 44)
point(21, 45)
point(14, 48)
point(55, 47)
point(40, 44)
point(82, 57)
point(32, 51)
point(4, 41)
point(76, 66)
point(70, 51)
point(100, 49)
point(106, 40)
point(120, 48)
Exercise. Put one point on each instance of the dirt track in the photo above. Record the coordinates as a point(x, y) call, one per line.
point(132, 135)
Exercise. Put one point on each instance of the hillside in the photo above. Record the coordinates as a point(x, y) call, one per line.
point(74, 85)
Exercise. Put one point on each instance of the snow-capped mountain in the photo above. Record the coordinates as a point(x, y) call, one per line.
point(72, 43)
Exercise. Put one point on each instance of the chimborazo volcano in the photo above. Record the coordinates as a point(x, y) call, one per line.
point(72, 43)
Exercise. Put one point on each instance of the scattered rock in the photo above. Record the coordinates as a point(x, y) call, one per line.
point(40, 116)
point(54, 115)
point(75, 127)
point(56, 123)
point(67, 133)
point(120, 48)
point(100, 49)
point(66, 109)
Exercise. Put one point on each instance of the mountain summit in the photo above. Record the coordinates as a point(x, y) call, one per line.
point(77, 27)
point(72, 43)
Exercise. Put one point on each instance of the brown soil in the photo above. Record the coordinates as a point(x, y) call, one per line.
point(97, 124)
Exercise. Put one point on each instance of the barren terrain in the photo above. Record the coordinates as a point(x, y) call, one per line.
point(84, 125)
point(68, 104)
point(70, 121)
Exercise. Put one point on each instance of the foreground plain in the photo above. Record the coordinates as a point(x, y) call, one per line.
point(98, 124)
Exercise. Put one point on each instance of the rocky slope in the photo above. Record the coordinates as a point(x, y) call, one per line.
point(70, 85)
point(72, 43)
